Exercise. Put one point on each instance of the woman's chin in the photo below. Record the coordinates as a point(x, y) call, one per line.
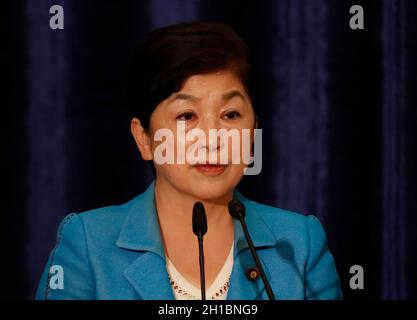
point(211, 190)
point(205, 184)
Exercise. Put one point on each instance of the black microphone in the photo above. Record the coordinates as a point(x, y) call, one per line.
point(237, 211)
point(200, 229)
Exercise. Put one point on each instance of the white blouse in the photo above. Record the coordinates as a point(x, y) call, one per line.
point(184, 290)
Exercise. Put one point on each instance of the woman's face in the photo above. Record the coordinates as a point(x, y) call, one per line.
point(209, 101)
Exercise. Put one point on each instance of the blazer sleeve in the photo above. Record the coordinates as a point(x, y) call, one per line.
point(322, 280)
point(68, 259)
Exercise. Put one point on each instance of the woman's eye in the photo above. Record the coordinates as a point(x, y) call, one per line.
point(232, 115)
point(186, 116)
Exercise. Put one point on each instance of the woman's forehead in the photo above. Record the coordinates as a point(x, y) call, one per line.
point(220, 80)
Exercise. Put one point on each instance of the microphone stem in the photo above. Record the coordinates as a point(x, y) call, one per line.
point(202, 272)
point(258, 263)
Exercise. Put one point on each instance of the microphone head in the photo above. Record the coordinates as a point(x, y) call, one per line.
point(237, 209)
point(199, 219)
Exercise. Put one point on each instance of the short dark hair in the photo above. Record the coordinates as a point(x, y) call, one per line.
point(170, 55)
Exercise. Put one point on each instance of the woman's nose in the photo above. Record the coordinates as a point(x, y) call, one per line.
point(211, 126)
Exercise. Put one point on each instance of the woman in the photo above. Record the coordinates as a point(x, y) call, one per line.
point(193, 76)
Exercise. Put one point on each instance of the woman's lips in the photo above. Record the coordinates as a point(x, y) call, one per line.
point(211, 169)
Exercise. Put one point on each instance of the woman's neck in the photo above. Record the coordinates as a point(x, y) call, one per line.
point(175, 209)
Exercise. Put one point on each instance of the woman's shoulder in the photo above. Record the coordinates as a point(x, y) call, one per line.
point(111, 214)
point(273, 213)
point(100, 222)
point(286, 223)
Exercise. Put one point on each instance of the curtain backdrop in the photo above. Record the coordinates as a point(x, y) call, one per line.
point(337, 108)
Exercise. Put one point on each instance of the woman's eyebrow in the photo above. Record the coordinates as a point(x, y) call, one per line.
point(184, 96)
point(234, 93)
point(226, 97)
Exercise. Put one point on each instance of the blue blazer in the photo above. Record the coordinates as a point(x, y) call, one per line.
point(116, 252)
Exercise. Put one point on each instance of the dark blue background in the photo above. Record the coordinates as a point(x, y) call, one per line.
point(337, 108)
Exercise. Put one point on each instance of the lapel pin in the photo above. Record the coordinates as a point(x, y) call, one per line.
point(252, 274)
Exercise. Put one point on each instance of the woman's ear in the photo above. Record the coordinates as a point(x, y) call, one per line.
point(141, 138)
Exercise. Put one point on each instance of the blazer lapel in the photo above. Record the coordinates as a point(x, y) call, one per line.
point(241, 288)
point(147, 274)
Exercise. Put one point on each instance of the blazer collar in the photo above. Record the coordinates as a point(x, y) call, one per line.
point(241, 288)
point(148, 274)
point(259, 231)
point(141, 230)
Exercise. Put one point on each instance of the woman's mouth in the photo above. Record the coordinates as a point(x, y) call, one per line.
point(210, 169)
